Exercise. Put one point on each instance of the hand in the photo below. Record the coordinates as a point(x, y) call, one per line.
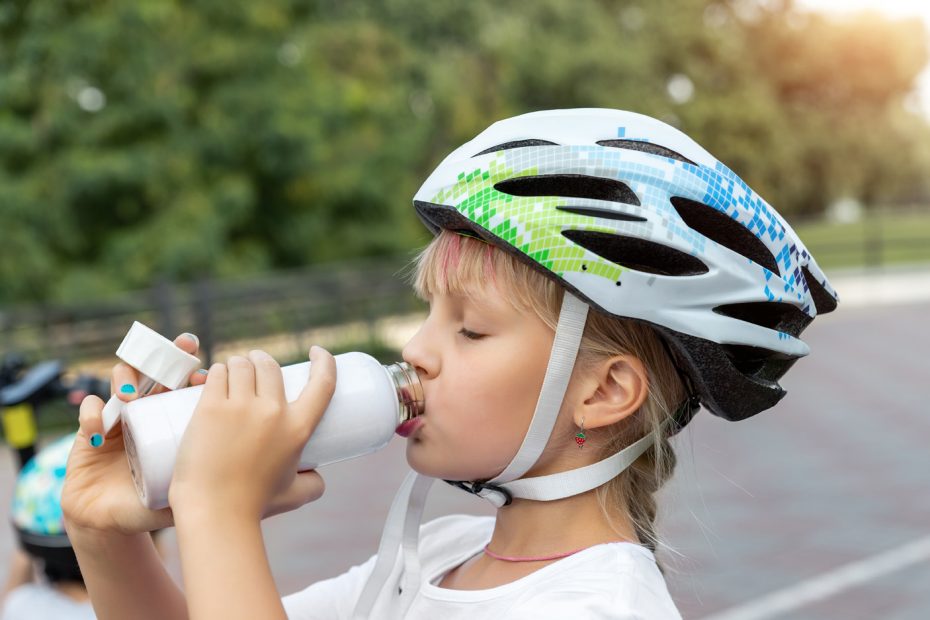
point(241, 450)
point(99, 493)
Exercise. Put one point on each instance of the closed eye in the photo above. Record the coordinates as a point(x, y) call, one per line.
point(470, 334)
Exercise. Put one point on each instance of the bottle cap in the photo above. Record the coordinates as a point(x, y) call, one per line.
point(156, 357)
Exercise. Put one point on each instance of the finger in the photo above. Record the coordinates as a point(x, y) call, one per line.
point(187, 342)
point(91, 421)
point(241, 378)
point(217, 385)
point(306, 487)
point(269, 382)
point(198, 377)
point(124, 382)
point(315, 396)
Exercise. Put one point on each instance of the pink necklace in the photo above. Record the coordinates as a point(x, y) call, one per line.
point(542, 558)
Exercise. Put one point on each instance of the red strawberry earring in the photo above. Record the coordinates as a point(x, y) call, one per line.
point(580, 437)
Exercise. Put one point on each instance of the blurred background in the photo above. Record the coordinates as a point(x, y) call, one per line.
point(244, 171)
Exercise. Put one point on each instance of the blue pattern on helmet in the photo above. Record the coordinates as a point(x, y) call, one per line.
point(37, 495)
point(655, 178)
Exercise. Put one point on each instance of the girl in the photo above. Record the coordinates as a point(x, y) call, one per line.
point(596, 277)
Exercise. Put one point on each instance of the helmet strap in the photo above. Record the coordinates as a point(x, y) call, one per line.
point(565, 345)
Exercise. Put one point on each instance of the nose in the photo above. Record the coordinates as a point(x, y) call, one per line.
point(420, 354)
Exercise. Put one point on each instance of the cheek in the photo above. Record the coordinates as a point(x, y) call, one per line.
point(477, 421)
point(499, 392)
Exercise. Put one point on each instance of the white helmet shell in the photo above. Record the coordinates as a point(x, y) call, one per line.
point(641, 222)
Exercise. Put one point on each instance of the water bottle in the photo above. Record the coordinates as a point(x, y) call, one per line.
point(370, 404)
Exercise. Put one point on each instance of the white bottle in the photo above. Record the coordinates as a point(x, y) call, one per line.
point(370, 403)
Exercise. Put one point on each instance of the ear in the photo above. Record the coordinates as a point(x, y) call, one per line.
point(615, 389)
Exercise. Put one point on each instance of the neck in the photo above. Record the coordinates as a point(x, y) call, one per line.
point(531, 529)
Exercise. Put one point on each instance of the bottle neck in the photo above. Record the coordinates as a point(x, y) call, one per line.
point(408, 390)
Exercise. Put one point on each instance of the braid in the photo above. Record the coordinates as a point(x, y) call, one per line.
point(638, 488)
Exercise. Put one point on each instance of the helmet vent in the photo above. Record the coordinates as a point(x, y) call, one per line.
point(605, 213)
point(638, 254)
point(569, 186)
point(646, 147)
point(771, 314)
point(823, 301)
point(726, 231)
point(515, 145)
point(757, 362)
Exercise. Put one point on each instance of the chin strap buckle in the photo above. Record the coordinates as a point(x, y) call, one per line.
point(497, 495)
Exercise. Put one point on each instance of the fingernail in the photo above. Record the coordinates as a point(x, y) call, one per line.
point(96, 440)
point(202, 371)
point(128, 388)
point(314, 349)
point(192, 337)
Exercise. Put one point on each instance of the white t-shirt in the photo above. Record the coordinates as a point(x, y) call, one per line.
point(40, 601)
point(617, 581)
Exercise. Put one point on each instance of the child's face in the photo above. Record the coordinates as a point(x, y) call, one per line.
point(480, 393)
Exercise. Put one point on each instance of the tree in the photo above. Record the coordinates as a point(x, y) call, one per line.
point(143, 139)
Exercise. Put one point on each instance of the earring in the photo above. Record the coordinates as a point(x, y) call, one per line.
point(580, 436)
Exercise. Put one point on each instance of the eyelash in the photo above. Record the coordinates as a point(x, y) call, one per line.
point(470, 334)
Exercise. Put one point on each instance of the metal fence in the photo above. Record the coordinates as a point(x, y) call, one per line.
point(880, 238)
point(217, 311)
point(873, 251)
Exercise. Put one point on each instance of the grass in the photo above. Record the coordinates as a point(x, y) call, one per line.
point(885, 239)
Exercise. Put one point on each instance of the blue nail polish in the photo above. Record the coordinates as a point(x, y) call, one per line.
point(202, 371)
point(128, 389)
point(96, 440)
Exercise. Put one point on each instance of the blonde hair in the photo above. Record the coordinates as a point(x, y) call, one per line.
point(457, 264)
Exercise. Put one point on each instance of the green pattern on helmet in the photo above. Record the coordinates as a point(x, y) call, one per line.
point(532, 224)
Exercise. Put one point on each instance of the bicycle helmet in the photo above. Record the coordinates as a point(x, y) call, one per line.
point(36, 514)
point(637, 220)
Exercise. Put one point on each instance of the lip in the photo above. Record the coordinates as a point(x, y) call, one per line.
point(409, 427)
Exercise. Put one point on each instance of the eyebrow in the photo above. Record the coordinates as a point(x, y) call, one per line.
point(499, 307)
point(464, 300)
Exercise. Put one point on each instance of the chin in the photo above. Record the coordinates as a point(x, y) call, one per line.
point(442, 467)
point(419, 460)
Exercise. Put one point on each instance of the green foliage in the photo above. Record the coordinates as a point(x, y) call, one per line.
point(146, 139)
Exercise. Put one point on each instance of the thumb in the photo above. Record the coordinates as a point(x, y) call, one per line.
point(306, 487)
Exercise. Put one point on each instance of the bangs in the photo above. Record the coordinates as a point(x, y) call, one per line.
point(456, 264)
point(453, 264)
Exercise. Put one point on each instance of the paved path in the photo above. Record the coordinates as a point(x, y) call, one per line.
point(837, 474)
point(817, 509)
